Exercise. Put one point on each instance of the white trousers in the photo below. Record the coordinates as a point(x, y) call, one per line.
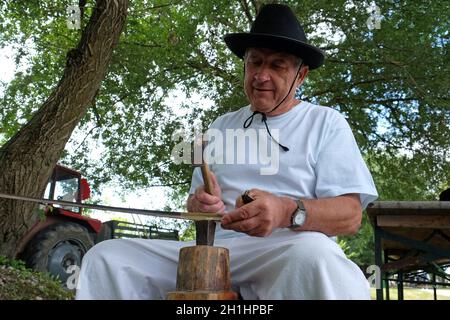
point(285, 265)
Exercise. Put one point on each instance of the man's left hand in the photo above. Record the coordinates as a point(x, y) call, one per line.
point(259, 217)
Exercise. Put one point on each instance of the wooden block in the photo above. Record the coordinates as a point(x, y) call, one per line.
point(203, 274)
point(199, 295)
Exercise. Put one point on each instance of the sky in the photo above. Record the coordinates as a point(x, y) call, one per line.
point(7, 64)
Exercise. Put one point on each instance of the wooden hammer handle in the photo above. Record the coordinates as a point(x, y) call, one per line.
point(205, 230)
point(206, 173)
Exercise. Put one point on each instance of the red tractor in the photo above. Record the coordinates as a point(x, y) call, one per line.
point(62, 237)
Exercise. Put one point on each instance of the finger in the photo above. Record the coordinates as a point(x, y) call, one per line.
point(216, 208)
point(243, 225)
point(202, 196)
point(257, 193)
point(216, 188)
point(245, 212)
point(253, 227)
point(222, 210)
point(239, 202)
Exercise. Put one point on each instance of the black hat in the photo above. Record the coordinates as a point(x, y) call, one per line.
point(276, 27)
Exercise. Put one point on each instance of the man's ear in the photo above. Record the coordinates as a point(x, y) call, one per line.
point(302, 75)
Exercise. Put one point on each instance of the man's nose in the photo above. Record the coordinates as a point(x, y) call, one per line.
point(262, 75)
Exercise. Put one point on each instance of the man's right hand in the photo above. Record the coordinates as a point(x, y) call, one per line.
point(201, 201)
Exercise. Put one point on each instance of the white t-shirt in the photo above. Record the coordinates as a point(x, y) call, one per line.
point(323, 161)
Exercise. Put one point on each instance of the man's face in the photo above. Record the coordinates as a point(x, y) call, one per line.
point(268, 77)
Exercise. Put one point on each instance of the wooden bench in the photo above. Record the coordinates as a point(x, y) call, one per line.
point(410, 236)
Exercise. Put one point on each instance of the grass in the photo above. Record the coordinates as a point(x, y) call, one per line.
point(20, 283)
point(415, 294)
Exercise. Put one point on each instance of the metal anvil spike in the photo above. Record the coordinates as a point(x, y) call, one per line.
point(205, 230)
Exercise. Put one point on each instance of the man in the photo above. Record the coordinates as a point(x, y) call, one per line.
point(280, 243)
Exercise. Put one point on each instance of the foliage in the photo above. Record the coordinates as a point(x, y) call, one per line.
point(20, 283)
point(16, 264)
point(189, 232)
point(357, 248)
point(390, 83)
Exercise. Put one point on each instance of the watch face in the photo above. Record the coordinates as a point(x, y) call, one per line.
point(300, 217)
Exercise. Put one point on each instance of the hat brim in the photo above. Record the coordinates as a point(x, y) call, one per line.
point(239, 42)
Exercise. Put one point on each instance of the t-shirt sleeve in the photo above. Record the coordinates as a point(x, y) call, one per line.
point(340, 168)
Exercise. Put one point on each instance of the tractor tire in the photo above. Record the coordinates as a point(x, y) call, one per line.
point(57, 247)
point(105, 233)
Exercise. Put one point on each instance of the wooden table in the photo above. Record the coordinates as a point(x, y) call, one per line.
point(409, 236)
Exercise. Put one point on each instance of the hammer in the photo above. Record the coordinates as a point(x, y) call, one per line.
point(205, 230)
point(203, 271)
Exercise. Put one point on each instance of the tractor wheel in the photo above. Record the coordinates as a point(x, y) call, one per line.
point(56, 248)
point(105, 233)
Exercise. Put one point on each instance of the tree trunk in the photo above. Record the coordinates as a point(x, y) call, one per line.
point(28, 158)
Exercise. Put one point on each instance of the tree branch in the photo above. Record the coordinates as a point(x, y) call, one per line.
point(155, 7)
point(389, 142)
point(256, 5)
point(353, 84)
point(85, 137)
point(349, 62)
point(81, 5)
point(246, 9)
point(142, 44)
point(169, 184)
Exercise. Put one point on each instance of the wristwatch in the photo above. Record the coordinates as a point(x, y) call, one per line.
point(299, 216)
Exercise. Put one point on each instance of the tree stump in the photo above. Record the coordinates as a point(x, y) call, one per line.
point(203, 274)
